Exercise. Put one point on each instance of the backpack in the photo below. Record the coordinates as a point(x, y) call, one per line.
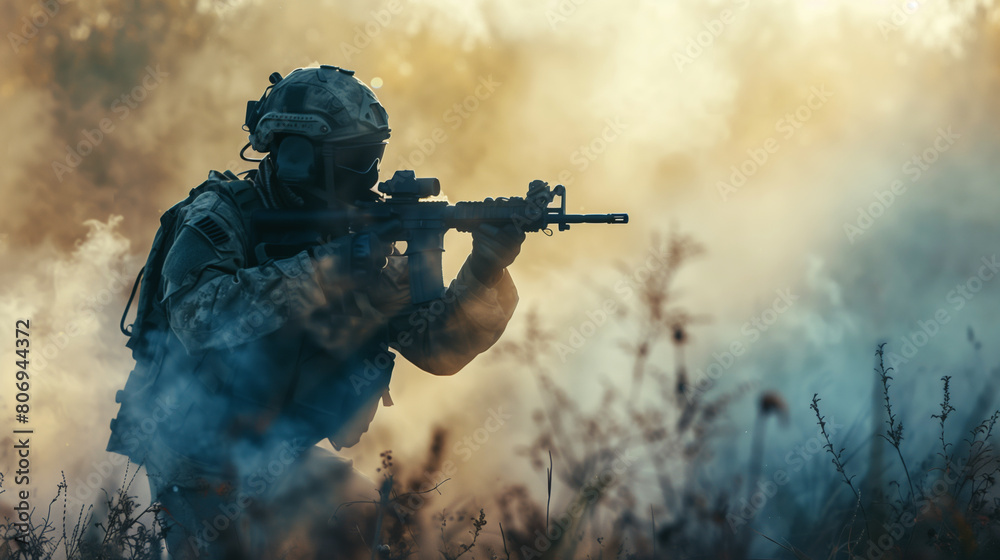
point(146, 335)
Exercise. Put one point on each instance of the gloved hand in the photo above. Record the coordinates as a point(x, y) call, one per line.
point(494, 249)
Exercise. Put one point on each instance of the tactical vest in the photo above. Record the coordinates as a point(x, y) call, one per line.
point(146, 335)
point(322, 401)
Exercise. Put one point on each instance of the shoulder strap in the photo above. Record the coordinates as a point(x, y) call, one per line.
point(244, 195)
point(241, 192)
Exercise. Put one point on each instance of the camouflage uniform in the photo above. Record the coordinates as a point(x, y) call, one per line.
point(245, 360)
point(268, 359)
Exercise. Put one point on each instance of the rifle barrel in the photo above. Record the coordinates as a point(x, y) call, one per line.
point(588, 219)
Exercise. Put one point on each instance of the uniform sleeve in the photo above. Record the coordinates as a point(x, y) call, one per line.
point(214, 301)
point(444, 335)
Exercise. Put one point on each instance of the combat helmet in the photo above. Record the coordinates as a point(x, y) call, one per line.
point(325, 132)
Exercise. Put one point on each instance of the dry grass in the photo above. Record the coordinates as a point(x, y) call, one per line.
point(623, 479)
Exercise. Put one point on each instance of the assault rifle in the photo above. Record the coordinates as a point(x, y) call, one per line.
point(403, 216)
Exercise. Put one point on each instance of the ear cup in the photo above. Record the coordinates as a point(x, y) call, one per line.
point(296, 161)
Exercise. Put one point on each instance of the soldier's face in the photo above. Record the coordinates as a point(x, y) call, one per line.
point(325, 174)
point(355, 168)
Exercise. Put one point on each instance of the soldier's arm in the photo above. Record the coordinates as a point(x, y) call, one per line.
point(444, 335)
point(213, 300)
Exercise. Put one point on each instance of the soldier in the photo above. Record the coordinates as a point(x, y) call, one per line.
point(250, 353)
